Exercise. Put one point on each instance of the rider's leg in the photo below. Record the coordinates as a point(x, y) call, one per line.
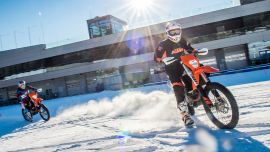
point(188, 82)
point(179, 92)
point(30, 103)
point(24, 103)
point(175, 75)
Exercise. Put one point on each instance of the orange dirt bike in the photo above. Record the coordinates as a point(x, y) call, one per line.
point(218, 102)
point(34, 106)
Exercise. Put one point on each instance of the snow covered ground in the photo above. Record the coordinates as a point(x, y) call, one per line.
point(142, 119)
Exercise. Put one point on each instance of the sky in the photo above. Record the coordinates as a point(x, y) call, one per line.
point(56, 22)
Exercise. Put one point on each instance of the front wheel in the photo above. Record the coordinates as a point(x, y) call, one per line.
point(44, 112)
point(27, 115)
point(223, 111)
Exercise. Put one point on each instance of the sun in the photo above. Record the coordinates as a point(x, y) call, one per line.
point(141, 5)
point(140, 12)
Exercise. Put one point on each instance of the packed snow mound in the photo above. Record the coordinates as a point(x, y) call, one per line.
point(156, 105)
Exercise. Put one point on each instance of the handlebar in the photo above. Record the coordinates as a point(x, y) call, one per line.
point(203, 51)
point(33, 90)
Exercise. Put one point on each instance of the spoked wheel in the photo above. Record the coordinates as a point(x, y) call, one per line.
point(27, 115)
point(224, 111)
point(44, 112)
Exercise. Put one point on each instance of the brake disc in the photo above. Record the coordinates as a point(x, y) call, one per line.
point(222, 107)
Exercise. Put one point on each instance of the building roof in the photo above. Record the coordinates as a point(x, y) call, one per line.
point(99, 18)
point(111, 63)
point(35, 54)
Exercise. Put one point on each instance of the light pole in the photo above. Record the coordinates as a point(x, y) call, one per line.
point(1, 41)
point(42, 32)
point(41, 27)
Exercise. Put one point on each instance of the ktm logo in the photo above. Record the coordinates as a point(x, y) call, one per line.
point(178, 50)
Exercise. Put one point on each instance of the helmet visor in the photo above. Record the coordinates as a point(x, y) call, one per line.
point(175, 32)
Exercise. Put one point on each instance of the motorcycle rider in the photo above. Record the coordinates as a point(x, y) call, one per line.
point(169, 52)
point(22, 93)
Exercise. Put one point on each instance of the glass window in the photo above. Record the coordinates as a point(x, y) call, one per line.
point(209, 59)
point(117, 27)
point(94, 31)
point(259, 52)
point(105, 26)
point(235, 57)
point(256, 48)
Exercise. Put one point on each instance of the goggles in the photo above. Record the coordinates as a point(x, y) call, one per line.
point(175, 32)
point(22, 85)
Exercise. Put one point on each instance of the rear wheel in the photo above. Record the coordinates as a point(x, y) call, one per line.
point(27, 115)
point(224, 111)
point(44, 112)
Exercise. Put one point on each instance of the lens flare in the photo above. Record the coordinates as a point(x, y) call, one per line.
point(123, 136)
point(134, 42)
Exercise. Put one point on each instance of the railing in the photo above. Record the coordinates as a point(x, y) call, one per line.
point(247, 69)
point(229, 33)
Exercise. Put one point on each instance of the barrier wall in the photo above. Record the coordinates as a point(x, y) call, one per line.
point(237, 77)
point(243, 76)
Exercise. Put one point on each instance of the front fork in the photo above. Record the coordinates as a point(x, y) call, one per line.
point(200, 86)
point(204, 81)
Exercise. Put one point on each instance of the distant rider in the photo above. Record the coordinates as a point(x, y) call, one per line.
point(168, 52)
point(22, 93)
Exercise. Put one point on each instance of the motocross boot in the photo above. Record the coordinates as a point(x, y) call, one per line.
point(187, 120)
point(185, 116)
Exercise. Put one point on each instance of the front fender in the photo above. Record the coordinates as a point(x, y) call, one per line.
point(205, 69)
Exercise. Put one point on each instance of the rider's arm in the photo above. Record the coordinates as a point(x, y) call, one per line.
point(20, 95)
point(159, 53)
point(30, 87)
point(188, 46)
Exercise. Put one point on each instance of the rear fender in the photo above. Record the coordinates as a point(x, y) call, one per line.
point(204, 69)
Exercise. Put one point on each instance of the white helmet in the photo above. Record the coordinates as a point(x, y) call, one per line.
point(22, 84)
point(174, 31)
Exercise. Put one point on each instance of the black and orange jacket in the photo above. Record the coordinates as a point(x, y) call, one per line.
point(21, 91)
point(167, 48)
